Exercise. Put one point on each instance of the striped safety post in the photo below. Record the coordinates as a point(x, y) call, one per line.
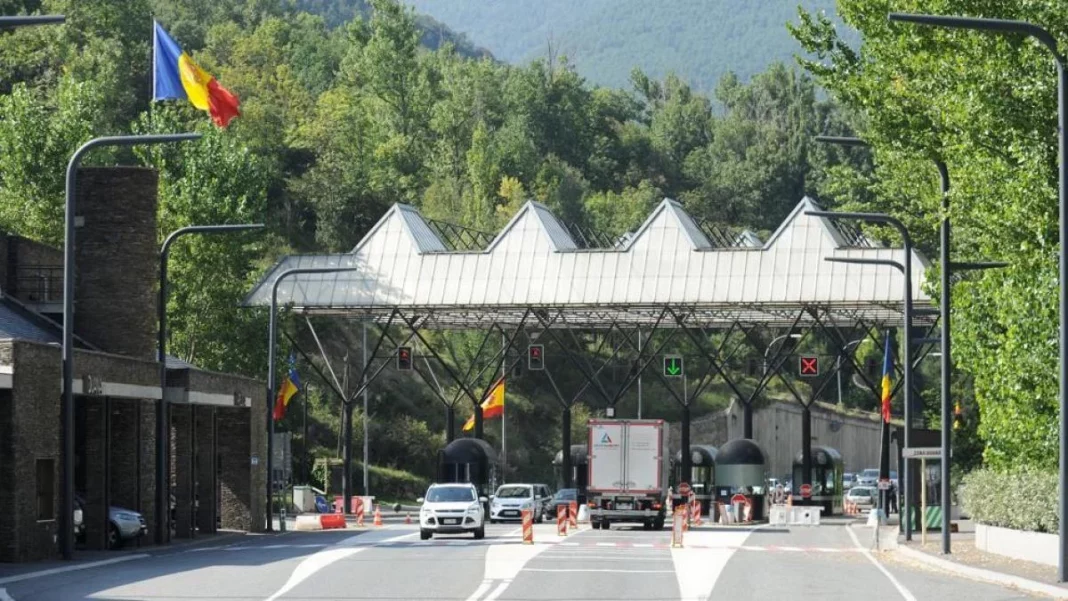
point(695, 510)
point(359, 512)
point(561, 520)
point(528, 527)
point(685, 509)
point(378, 516)
point(572, 509)
point(678, 526)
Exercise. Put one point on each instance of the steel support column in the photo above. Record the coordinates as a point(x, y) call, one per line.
point(565, 442)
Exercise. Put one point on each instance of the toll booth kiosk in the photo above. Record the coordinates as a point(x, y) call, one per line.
point(702, 476)
point(742, 467)
point(580, 473)
point(827, 471)
point(469, 460)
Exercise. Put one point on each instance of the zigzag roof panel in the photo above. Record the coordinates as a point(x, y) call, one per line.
point(534, 262)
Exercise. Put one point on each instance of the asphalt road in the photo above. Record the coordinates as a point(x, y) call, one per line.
point(825, 563)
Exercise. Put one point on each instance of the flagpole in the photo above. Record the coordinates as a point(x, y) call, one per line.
point(154, 45)
point(504, 418)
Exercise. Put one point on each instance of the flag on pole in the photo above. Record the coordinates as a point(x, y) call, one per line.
point(290, 387)
point(888, 364)
point(175, 75)
point(492, 407)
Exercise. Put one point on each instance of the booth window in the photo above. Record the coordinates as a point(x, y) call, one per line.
point(46, 479)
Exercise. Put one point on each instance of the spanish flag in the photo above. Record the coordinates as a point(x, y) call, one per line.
point(290, 387)
point(888, 364)
point(493, 406)
point(175, 75)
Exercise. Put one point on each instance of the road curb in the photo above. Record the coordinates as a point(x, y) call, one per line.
point(991, 576)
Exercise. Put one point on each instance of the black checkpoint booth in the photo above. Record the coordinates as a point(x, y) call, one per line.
point(742, 467)
point(469, 460)
point(580, 473)
point(702, 475)
point(826, 480)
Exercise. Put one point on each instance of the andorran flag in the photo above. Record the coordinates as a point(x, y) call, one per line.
point(492, 407)
point(887, 367)
point(175, 75)
point(290, 387)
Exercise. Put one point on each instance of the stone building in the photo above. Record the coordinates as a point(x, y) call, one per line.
point(216, 432)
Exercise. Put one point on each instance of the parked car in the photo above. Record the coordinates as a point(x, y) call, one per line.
point(452, 508)
point(510, 500)
point(868, 477)
point(564, 496)
point(862, 496)
point(849, 480)
point(123, 524)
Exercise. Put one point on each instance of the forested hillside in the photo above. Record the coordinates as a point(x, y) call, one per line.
point(698, 40)
point(341, 119)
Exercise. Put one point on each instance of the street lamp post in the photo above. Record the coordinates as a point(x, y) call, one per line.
point(23, 21)
point(946, 364)
point(747, 410)
point(162, 437)
point(271, 343)
point(1050, 42)
point(906, 268)
point(66, 526)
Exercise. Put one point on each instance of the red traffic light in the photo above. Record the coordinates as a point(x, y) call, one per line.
point(404, 358)
point(536, 357)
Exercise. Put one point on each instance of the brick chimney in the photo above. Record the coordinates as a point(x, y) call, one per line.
point(116, 256)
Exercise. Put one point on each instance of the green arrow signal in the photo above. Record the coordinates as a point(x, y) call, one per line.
point(674, 366)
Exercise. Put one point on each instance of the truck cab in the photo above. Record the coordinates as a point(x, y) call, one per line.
point(628, 472)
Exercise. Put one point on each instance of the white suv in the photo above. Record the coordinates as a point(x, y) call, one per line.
point(452, 508)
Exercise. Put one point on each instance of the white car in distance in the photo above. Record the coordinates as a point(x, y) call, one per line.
point(451, 509)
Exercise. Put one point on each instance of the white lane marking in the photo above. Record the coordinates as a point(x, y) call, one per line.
point(71, 568)
point(698, 568)
point(789, 549)
point(905, 594)
point(642, 546)
point(599, 570)
point(569, 544)
point(4, 596)
point(753, 548)
point(606, 544)
point(497, 591)
point(316, 562)
point(482, 588)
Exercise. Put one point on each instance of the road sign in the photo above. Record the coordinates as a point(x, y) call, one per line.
point(536, 357)
point(808, 366)
point(684, 488)
point(673, 366)
point(404, 358)
point(884, 484)
point(922, 453)
point(806, 490)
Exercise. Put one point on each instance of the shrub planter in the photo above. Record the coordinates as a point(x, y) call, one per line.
point(1038, 547)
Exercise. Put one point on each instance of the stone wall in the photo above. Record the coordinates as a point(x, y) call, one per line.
point(181, 469)
point(236, 487)
point(116, 256)
point(36, 405)
point(206, 463)
point(8, 533)
point(777, 429)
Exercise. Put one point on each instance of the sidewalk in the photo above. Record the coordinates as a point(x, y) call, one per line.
point(968, 561)
point(85, 559)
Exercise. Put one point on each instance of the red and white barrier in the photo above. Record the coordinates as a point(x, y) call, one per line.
point(572, 510)
point(678, 525)
point(561, 520)
point(332, 521)
point(359, 512)
point(528, 527)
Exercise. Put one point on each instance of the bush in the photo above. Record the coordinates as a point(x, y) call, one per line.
point(386, 483)
point(1023, 499)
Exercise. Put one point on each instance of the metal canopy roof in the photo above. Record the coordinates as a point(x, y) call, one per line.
point(535, 263)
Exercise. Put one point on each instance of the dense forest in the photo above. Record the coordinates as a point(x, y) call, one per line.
point(346, 112)
point(605, 39)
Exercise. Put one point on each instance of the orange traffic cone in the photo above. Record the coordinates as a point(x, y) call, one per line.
point(378, 516)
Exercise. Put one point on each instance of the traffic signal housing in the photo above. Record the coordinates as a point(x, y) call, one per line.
point(536, 357)
point(404, 358)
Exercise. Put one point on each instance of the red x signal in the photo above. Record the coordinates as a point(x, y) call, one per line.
point(810, 366)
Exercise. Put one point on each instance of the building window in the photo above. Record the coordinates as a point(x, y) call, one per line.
point(46, 493)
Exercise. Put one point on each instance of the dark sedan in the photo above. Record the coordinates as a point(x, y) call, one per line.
point(564, 496)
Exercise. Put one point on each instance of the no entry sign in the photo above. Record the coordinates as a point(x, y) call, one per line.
point(806, 490)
